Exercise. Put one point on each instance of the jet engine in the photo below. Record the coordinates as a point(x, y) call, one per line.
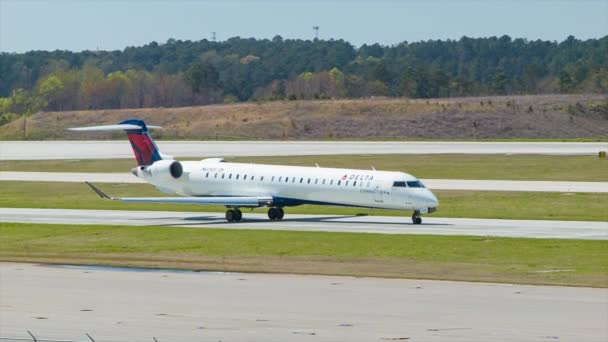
point(166, 169)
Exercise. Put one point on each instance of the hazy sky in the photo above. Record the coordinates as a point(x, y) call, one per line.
point(107, 25)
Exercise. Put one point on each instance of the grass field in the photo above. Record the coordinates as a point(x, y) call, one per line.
point(453, 203)
point(449, 166)
point(531, 261)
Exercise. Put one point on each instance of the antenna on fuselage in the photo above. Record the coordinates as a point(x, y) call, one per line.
point(317, 164)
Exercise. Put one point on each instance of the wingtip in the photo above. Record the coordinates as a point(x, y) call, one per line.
point(97, 191)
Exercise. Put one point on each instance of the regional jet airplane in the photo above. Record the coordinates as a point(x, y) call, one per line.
point(238, 185)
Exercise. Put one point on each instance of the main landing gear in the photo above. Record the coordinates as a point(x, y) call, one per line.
point(275, 214)
point(416, 219)
point(234, 215)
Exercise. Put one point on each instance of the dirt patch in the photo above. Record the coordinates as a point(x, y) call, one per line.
point(543, 116)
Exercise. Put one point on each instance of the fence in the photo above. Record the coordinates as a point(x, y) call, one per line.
point(35, 338)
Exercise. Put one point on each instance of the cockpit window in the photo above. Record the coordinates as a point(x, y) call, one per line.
point(415, 184)
point(399, 185)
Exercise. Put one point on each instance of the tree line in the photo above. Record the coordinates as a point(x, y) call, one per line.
point(186, 73)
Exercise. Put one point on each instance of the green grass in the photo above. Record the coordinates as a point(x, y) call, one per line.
point(449, 166)
point(570, 262)
point(453, 203)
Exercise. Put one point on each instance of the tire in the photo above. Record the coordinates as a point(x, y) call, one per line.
point(280, 213)
point(230, 215)
point(238, 215)
point(272, 214)
point(417, 220)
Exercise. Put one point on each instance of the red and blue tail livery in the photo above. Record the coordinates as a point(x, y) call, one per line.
point(145, 150)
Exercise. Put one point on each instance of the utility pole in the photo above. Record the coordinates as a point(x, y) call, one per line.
point(316, 28)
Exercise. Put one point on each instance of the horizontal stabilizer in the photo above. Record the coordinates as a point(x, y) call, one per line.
point(119, 127)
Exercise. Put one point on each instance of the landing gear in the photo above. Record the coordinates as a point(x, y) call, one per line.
point(275, 214)
point(416, 219)
point(234, 215)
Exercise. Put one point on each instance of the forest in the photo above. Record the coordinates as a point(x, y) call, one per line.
point(181, 73)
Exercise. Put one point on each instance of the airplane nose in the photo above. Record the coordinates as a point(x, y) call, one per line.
point(432, 199)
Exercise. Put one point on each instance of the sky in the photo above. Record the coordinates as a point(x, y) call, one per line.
point(113, 25)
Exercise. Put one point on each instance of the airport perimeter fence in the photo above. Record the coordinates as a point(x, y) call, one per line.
point(34, 338)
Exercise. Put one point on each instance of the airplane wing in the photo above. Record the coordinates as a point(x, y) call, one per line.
point(240, 201)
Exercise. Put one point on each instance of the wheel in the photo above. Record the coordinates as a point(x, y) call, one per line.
point(417, 220)
point(280, 213)
point(238, 215)
point(273, 213)
point(230, 215)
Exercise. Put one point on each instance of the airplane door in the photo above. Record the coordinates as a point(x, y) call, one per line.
point(378, 194)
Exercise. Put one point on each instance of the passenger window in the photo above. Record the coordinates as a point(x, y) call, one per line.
point(230, 176)
point(323, 181)
point(223, 175)
point(286, 179)
point(399, 185)
point(261, 178)
point(280, 178)
point(339, 182)
point(207, 175)
point(346, 184)
point(293, 180)
point(237, 176)
point(355, 183)
point(272, 179)
point(245, 177)
point(301, 180)
point(215, 176)
point(316, 180)
point(308, 180)
point(331, 182)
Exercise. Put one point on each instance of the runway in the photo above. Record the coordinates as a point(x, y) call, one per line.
point(436, 184)
point(40, 150)
point(129, 305)
point(317, 223)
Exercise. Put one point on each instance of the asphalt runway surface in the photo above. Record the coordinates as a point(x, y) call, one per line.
point(316, 223)
point(40, 150)
point(55, 302)
point(440, 184)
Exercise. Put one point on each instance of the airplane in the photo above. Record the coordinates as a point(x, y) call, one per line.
point(214, 181)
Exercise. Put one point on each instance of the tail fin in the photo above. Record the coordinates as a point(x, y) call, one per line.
point(145, 149)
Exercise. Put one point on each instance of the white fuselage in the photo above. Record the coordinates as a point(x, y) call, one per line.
point(295, 185)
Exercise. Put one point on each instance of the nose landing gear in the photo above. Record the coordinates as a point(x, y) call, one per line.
point(416, 219)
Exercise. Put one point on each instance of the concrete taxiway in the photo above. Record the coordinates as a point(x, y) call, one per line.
point(318, 223)
point(40, 150)
point(65, 303)
point(440, 184)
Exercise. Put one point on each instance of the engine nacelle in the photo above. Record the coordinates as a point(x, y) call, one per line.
point(166, 169)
